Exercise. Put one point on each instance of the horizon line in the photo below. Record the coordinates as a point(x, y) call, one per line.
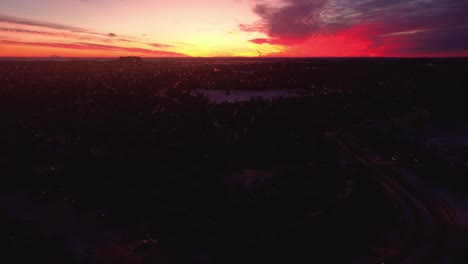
point(242, 57)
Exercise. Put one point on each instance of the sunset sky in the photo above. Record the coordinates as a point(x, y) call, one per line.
point(299, 28)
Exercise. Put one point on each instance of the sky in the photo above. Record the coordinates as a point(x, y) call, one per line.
point(224, 28)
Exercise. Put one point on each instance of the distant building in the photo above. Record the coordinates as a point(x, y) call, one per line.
point(55, 57)
point(130, 59)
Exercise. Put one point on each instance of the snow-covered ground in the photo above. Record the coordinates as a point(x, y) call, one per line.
point(84, 235)
point(247, 178)
point(450, 139)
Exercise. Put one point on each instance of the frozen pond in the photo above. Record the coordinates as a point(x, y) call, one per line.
point(221, 96)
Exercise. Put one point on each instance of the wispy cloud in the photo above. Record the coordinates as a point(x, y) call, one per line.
point(48, 26)
point(16, 31)
point(28, 31)
point(45, 33)
point(159, 45)
point(30, 22)
point(94, 46)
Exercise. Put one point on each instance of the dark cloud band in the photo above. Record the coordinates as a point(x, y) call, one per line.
point(421, 25)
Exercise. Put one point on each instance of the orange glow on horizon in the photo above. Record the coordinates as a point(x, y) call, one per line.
point(220, 28)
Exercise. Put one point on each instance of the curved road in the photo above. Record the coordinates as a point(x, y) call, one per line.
point(429, 224)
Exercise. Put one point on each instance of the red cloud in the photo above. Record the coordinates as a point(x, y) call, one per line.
point(278, 41)
point(372, 27)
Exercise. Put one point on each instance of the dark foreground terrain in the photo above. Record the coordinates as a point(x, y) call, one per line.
point(341, 161)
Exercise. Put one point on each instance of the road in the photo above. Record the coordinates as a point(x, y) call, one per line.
point(429, 224)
